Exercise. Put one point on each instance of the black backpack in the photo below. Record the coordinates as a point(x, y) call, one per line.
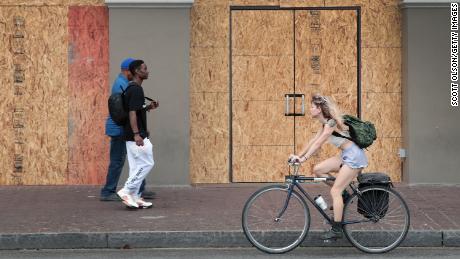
point(374, 202)
point(117, 107)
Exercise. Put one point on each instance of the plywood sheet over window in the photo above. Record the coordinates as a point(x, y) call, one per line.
point(33, 122)
point(317, 49)
point(262, 67)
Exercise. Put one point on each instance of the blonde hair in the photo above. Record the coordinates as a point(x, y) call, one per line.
point(329, 110)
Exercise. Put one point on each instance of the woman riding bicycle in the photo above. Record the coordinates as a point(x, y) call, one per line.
point(348, 164)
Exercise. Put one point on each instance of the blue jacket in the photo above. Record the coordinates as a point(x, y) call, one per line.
point(111, 128)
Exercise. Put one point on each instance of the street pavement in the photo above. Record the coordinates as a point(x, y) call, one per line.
point(235, 253)
point(65, 217)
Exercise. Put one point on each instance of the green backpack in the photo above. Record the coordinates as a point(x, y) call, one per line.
point(361, 132)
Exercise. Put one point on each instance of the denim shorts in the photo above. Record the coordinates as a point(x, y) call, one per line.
point(354, 157)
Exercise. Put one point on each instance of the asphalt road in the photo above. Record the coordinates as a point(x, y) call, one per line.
point(317, 253)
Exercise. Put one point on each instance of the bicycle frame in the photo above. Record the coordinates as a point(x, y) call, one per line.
point(295, 180)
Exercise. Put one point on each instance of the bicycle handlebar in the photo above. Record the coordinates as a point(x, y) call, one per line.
point(295, 162)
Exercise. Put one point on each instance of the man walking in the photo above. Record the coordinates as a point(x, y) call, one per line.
point(117, 142)
point(138, 145)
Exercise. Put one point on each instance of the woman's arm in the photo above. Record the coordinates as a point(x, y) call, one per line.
point(317, 142)
point(307, 146)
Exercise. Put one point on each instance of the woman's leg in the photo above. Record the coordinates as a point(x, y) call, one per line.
point(343, 179)
point(331, 164)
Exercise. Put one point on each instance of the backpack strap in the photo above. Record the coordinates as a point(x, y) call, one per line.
point(124, 90)
point(335, 133)
point(129, 85)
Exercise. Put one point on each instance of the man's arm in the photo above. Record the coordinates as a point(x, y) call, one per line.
point(133, 123)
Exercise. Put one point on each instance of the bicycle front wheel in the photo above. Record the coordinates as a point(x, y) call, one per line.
point(376, 221)
point(267, 227)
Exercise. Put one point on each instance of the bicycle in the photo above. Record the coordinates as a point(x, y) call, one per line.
point(276, 218)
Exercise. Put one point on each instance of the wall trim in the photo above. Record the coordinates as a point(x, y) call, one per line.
point(149, 3)
point(425, 4)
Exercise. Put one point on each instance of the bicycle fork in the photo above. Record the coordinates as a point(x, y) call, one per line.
point(286, 203)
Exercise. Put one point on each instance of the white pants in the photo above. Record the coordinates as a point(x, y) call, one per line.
point(140, 159)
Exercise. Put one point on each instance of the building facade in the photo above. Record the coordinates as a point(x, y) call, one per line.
point(233, 78)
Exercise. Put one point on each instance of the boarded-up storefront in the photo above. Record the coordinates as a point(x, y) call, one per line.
point(253, 62)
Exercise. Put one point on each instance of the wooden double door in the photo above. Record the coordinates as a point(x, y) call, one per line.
point(280, 53)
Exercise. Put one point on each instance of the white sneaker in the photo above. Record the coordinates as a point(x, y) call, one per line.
point(144, 204)
point(127, 198)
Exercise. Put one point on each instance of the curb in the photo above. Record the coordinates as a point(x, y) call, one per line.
point(53, 241)
point(451, 238)
point(192, 239)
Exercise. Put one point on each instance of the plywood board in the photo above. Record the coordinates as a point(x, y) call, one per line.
point(35, 58)
point(88, 73)
point(326, 51)
point(301, 3)
point(209, 114)
point(383, 157)
point(209, 70)
point(45, 120)
point(380, 21)
point(268, 163)
point(262, 73)
point(381, 26)
point(209, 26)
point(390, 21)
point(209, 159)
point(381, 70)
point(384, 110)
point(262, 77)
point(209, 137)
point(6, 95)
point(255, 2)
point(51, 2)
point(261, 123)
point(385, 3)
point(262, 33)
point(362, 3)
point(211, 2)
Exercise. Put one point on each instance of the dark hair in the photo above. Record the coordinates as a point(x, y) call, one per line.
point(135, 65)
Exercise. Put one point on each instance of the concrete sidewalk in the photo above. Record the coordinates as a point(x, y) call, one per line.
point(39, 217)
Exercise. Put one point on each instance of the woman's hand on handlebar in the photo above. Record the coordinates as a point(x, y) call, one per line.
point(293, 159)
point(296, 159)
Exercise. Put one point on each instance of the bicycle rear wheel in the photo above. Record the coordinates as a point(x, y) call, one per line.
point(377, 221)
point(265, 230)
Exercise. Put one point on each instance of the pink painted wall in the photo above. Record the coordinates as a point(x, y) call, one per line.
point(88, 93)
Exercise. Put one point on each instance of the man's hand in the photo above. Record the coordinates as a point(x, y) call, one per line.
point(139, 140)
point(153, 105)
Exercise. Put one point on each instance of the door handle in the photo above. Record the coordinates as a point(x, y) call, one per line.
point(294, 96)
